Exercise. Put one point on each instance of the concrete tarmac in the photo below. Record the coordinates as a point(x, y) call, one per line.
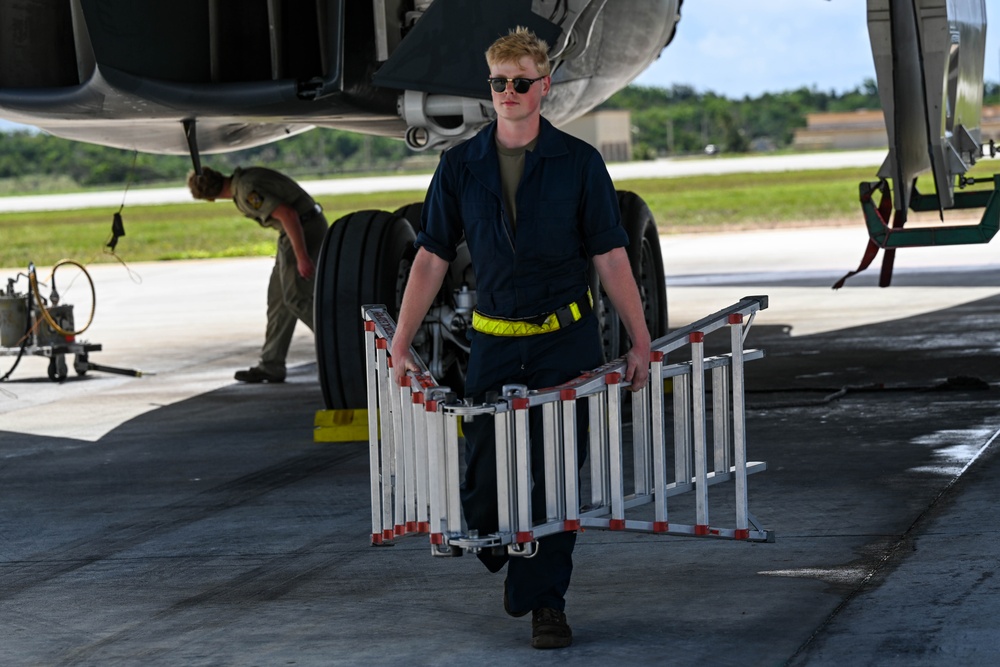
point(180, 518)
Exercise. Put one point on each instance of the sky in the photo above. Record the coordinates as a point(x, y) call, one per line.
point(737, 48)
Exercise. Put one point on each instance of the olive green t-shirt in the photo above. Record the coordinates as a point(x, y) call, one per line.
point(511, 170)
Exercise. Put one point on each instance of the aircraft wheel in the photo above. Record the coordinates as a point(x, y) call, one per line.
point(607, 318)
point(365, 259)
point(411, 212)
point(646, 259)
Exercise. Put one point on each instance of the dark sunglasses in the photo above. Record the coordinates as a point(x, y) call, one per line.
point(521, 86)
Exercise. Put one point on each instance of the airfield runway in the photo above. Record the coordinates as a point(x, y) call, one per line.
point(180, 518)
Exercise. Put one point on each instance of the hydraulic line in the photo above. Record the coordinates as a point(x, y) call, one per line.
point(33, 280)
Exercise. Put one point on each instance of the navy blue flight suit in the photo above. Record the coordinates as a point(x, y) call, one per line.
point(567, 211)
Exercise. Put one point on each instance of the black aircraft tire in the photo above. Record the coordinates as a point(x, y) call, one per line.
point(646, 259)
point(607, 318)
point(365, 259)
point(411, 212)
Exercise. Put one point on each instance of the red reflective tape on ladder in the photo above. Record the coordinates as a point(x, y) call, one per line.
point(387, 534)
point(411, 526)
point(369, 326)
point(616, 524)
point(571, 525)
point(431, 406)
point(424, 527)
point(736, 318)
point(381, 344)
point(567, 395)
point(520, 404)
point(701, 529)
point(398, 530)
point(741, 534)
point(613, 378)
point(418, 398)
point(404, 381)
point(660, 526)
point(655, 356)
point(696, 337)
point(437, 538)
point(376, 539)
point(524, 536)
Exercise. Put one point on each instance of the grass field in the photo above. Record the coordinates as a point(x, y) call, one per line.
point(203, 229)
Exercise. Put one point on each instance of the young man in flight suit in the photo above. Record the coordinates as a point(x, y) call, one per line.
point(276, 201)
point(533, 204)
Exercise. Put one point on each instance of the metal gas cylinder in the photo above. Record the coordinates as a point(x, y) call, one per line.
point(13, 318)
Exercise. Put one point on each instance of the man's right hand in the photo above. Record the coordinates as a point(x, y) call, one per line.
point(426, 277)
point(402, 361)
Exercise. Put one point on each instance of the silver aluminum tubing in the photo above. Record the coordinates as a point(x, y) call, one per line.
point(658, 440)
point(388, 432)
point(555, 492)
point(683, 466)
point(399, 460)
point(721, 429)
point(615, 463)
point(453, 503)
point(503, 426)
point(600, 492)
point(676, 489)
point(571, 463)
point(739, 425)
point(698, 424)
point(420, 446)
point(385, 327)
point(642, 468)
point(409, 450)
point(602, 389)
point(436, 469)
point(522, 468)
point(684, 367)
point(678, 338)
point(371, 377)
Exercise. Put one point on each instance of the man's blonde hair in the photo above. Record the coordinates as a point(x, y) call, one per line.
point(518, 43)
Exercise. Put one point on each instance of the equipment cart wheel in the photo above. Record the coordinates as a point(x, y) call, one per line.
point(57, 367)
point(81, 363)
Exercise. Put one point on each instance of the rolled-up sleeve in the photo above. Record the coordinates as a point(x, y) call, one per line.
point(602, 228)
point(441, 223)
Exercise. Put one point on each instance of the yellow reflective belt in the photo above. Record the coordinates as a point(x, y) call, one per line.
point(497, 326)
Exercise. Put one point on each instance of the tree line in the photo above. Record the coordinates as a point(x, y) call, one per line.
point(665, 121)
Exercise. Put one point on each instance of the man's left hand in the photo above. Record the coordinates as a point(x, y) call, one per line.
point(307, 268)
point(637, 368)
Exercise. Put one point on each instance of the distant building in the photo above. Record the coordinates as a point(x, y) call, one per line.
point(866, 129)
point(610, 132)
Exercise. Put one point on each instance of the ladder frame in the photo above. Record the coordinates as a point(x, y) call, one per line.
point(415, 464)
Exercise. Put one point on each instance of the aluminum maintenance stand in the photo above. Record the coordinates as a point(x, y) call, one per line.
point(631, 484)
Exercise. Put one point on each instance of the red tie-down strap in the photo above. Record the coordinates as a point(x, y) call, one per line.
point(884, 212)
